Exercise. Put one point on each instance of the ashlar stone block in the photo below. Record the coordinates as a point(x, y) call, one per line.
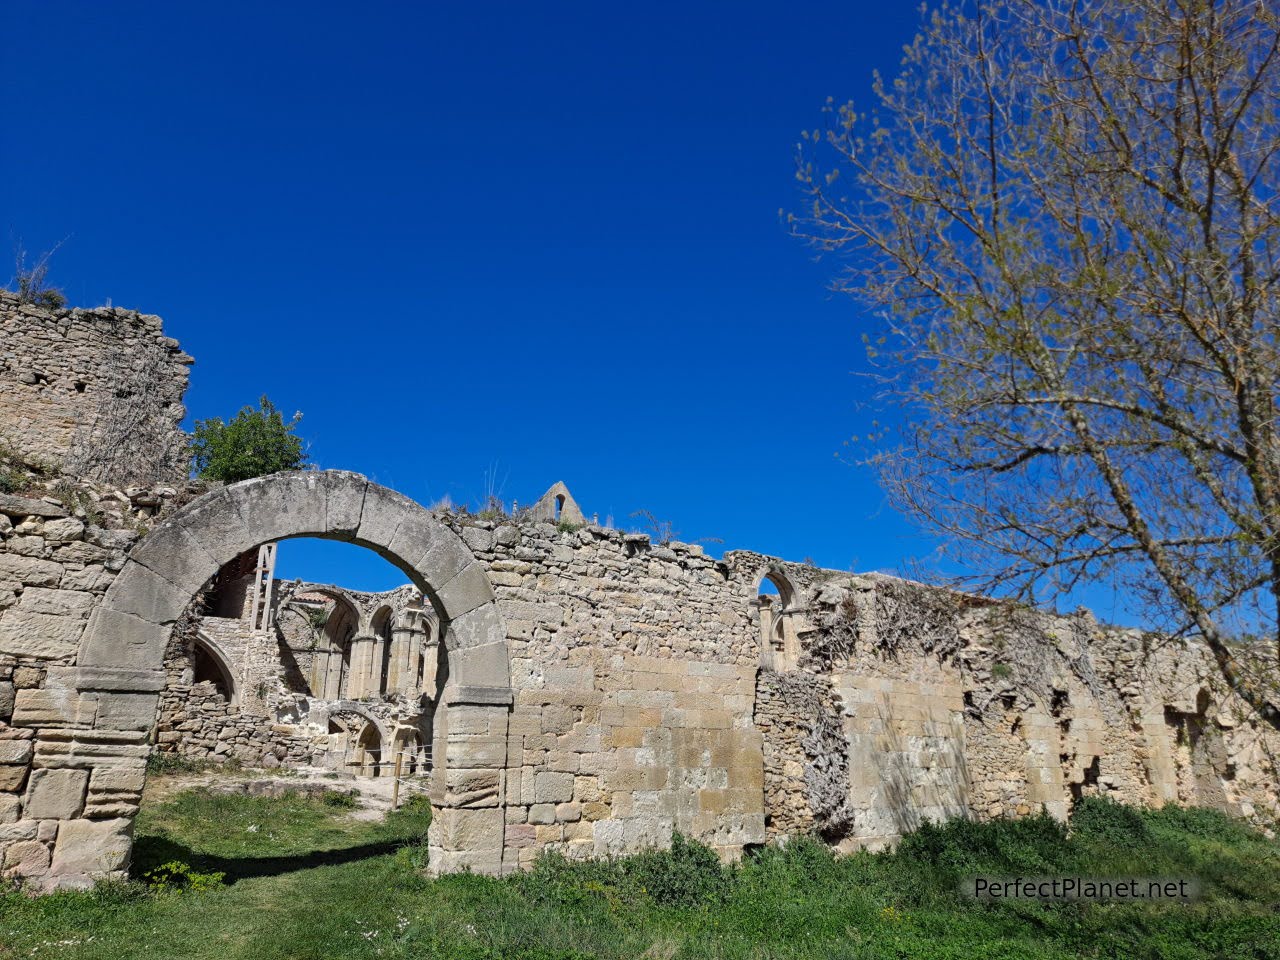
point(92, 847)
point(56, 794)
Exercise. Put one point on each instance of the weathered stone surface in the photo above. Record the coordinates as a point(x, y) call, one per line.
point(15, 751)
point(147, 596)
point(477, 628)
point(485, 666)
point(98, 392)
point(43, 636)
point(279, 506)
point(74, 604)
point(51, 707)
point(56, 794)
point(29, 570)
point(26, 858)
point(64, 530)
point(115, 639)
point(27, 507)
point(126, 711)
point(172, 552)
point(92, 847)
point(468, 830)
point(466, 591)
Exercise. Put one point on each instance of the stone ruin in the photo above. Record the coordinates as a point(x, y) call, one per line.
point(557, 684)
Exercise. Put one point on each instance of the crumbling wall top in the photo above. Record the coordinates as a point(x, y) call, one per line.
point(95, 393)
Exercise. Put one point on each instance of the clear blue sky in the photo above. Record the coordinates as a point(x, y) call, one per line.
point(541, 238)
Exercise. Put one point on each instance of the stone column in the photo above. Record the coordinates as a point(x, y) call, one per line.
point(332, 688)
point(84, 739)
point(468, 823)
point(358, 680)
point(399, 660)
point(414, 680)
point(766, 632)
point(377, 650)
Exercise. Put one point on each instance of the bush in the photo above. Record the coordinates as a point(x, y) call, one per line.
point(254, 444)
point(177, 877)
point(1104, 822)
point(687, 875)
point(340, 800)
point(962, 847)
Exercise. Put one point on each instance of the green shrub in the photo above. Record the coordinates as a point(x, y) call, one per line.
point(11, 479)
point(1101, 821)
point(254, 444)
point(688, 874)
point(963, 847)
point(340, 800)
point(177, 877)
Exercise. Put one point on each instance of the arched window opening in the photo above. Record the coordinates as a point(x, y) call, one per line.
point(779, 640)
point(559, 505)
point(208, 668)
point(413, 754)
point(369, 752)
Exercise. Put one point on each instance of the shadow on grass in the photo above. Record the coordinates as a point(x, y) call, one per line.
point(151, 851)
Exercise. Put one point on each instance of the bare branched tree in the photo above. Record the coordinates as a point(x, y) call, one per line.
point(1066, 211)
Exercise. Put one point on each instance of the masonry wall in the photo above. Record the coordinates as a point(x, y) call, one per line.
point(633, 668)
point(646, 701)
point(56, 563)
point(96, 393)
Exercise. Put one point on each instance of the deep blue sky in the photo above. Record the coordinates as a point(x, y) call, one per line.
point(538, 237)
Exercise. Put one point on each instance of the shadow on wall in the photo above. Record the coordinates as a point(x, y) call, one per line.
point(925, 777)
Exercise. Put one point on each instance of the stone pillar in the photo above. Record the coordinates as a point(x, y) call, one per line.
point(332, 689)
point(358, 677)
point(377, 650)
point(767, 657)
point(398, 663)
point(85, 738)
point(468, 785)
point(414, 684)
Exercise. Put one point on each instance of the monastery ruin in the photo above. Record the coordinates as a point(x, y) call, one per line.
point(558, 685)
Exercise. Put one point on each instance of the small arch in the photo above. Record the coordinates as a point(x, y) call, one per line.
point(782, 587)
point(369, 751)
point(776, 606)
point(211, 665)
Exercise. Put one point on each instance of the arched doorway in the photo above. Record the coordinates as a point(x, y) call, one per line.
point(120, 660)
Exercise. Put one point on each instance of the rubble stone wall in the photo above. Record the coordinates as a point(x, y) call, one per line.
point(96, 393)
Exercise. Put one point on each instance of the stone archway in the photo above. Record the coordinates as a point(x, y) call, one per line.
point(110, 697)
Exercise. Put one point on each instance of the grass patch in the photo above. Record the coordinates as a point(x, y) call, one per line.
point(310, 882)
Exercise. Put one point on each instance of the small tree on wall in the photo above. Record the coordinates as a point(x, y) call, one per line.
point(253, 444)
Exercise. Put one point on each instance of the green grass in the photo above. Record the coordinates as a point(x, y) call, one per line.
point(309, 882)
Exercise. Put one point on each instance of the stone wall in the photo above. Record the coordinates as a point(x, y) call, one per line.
point(56, 563)
point(95, 393)
point(648, 692)
point(633, 668)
